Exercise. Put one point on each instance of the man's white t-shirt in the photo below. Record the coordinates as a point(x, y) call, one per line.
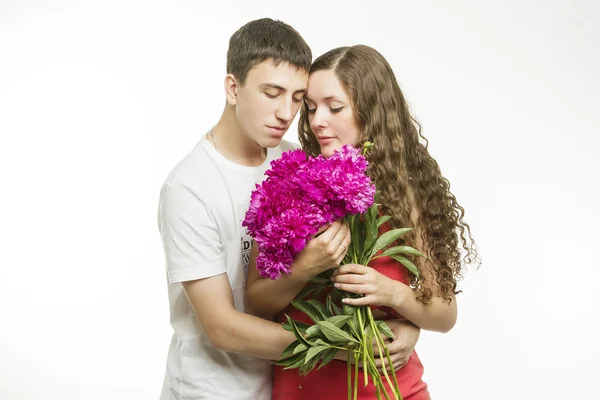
point(202, 205)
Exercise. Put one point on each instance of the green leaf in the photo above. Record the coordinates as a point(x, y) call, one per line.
point(370, 227)
point(298, 363)
point(309, 365)
point(408, 264)
point(348, 257)
point(312, 331)
point(327, 357)
point(387, 238)
point(319, 290)
point(308, 309)
point(318, 280)
point(328, 304)
point(402, 250)
point(287, 326)
point(353, 324)
point(335, 295)
point(321, 342)
point(334, 333)
point(339, 320)
point(377, 197)
point(356, 231)
point(383, 220)
point(299, 348)
point(290, 360)
point(348, 309)
point(313, 351)
point(349, 219)
point(302, 327)
point(320, 308)
point(385, 329)
point(308, 289)
point(335, 310)
point(296, 332)
point(289, 351)
point(368, 331)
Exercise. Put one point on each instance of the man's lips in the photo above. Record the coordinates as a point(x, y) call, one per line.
point(278, 130)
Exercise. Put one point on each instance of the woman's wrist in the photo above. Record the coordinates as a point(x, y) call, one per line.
point(401, 293)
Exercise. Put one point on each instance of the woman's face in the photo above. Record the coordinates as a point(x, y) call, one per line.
point(330, 113)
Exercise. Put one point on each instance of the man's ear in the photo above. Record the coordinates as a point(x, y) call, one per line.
point(231, 87)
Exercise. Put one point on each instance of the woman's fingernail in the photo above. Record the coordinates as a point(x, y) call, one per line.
point(337, 285)
point(344, 301)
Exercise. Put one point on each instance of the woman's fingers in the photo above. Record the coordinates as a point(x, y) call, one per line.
point(353, 269)
point(360, 301)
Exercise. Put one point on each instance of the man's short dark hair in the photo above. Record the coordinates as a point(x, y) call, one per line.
point(266, 39)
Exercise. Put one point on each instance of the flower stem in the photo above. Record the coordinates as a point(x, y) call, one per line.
point(375, 373)
point(393, 371)
point(375, 377)
point(381, 346)
point(356, 358)
point(349, 376)
point(362, 322)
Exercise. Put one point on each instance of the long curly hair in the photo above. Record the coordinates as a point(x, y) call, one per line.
point(413, 190)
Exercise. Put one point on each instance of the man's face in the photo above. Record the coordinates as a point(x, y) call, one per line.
point(269, 100)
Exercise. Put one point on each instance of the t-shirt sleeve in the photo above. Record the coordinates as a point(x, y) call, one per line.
point(191, 241)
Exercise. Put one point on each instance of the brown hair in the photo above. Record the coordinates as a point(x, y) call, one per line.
point(266, 39)
point(413, 190)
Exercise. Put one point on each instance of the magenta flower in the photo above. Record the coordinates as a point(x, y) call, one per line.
point(300, 195)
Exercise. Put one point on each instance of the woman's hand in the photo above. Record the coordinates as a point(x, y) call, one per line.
point(324, 251)
point(377, 288)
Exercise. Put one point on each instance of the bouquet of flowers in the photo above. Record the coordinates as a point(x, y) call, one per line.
point(300, 195)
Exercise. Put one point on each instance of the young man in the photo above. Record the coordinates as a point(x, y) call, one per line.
point(218, 351)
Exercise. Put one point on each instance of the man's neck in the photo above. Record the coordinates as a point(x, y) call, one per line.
point(233, 143)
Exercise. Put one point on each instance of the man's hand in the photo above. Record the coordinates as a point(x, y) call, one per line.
point(407, 335)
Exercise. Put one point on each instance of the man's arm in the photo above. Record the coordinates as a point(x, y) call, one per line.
point(195, 257)
point(266, 297)
point(230, 330)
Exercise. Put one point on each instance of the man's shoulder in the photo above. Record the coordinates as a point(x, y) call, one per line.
point(195, 173)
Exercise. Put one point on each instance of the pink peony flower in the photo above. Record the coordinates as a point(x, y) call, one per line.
point(300, 195)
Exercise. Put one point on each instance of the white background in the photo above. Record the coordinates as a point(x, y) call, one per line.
point(99, 100)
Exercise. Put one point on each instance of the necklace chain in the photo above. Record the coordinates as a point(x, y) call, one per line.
point(212, 136)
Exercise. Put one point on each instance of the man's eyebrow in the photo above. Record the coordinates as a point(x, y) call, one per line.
point(277, 87)
point(273, 86)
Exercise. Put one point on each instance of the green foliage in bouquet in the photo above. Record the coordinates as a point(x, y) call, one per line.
point(338, 326)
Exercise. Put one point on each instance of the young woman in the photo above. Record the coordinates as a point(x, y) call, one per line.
point(353, 96)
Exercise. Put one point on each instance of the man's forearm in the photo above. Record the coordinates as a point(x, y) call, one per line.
point(245, 334)
point(266, 297)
